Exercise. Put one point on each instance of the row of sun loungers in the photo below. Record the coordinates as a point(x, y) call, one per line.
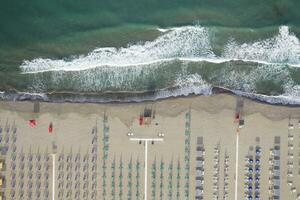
point(290, 161)
point(216, 172)
point(25, 175)
point(187, 150)
point(253, 173)
point(275, 170)
point(226, 177)
point(200, 153)
point(77, 173)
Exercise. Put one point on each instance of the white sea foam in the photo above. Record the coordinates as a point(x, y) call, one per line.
point(163, 30)
point(286, 99)
point(190, 43)
point(191, 80)
point(186, 42)
point(38, 65)
point(161, 94)
point(283, 48)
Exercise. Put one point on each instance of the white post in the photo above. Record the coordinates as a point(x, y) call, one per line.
point(146, 140)
point(236, 165)
point(53, 176)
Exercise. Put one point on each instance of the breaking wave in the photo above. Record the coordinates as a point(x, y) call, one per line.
point(185, 43)
point(181, 61)
point(283, 48)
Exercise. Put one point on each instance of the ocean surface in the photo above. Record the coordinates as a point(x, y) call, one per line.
point(103, 51)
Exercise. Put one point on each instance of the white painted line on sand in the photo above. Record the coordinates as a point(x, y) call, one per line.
point(236, 165)
point(146, 166)
point(146, 140)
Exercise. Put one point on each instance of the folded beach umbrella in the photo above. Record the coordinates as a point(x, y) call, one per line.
point(50, 128)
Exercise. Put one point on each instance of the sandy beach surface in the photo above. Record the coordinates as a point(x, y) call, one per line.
point(91, 154)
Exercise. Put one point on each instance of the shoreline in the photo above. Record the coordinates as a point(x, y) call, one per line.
point(213, 104)
point(144, 96)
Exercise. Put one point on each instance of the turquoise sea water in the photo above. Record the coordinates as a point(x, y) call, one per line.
point(94, 47)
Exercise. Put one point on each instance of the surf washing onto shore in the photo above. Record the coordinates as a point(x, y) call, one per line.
point(179, 62)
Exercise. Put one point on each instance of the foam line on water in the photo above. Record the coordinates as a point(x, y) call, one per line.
point(86, 67)
point(185, 42)
point(282, 48)
point(123, 68)
point(70, 67)
point(280, 99)
point(189, 43)
point(162, 94)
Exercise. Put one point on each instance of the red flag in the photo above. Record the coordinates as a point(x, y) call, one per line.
point(32, 122)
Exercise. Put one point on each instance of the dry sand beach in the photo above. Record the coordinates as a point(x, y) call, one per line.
point(91, 154)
